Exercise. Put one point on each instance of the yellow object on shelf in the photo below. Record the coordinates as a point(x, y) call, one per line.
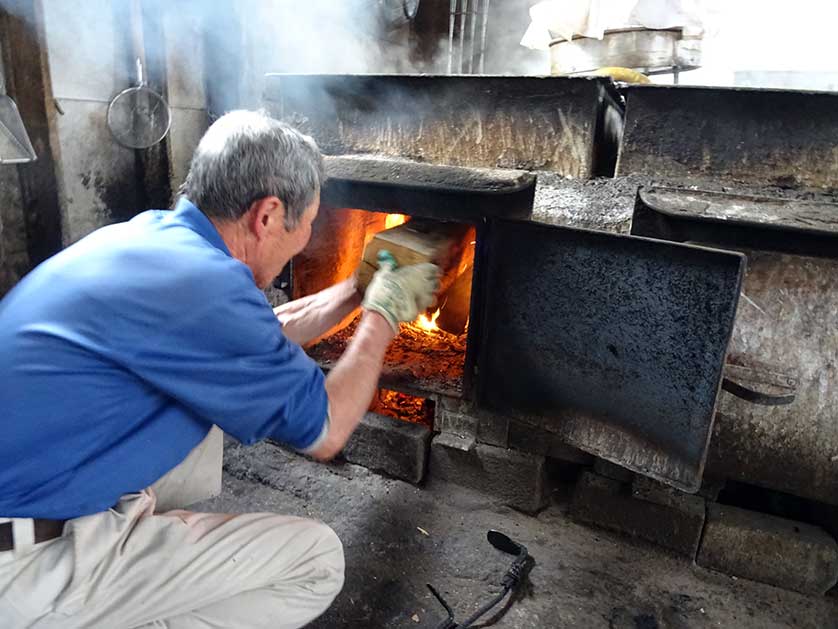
point(626, 75)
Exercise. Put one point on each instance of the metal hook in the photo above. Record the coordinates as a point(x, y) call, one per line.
point(140, 74)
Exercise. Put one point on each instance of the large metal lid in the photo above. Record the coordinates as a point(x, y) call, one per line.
point(616, 343)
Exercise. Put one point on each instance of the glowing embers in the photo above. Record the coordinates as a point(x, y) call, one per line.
point(402, 406)
point(417, 359)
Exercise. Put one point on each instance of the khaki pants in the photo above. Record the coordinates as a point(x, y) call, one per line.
point(131, 567)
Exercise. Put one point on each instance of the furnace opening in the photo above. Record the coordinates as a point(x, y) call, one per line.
point(410, 408)
point(429, 354)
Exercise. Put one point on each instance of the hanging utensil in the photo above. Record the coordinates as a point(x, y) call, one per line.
point(139, 117)
point(15, 147)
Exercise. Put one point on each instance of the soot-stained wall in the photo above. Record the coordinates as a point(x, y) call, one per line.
point(14, 260)
point(92, 49)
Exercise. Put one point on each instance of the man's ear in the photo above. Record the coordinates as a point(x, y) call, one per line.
point(265, 216)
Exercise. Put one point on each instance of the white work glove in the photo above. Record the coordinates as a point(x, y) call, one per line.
point(400, 294)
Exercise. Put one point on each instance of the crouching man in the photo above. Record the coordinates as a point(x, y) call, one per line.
point(121, 352)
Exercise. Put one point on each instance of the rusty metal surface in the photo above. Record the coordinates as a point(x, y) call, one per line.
point(737, 220)
point(532, 123)
point(749, 136)
point(604, 203)
point(787, 331)
point(430, 190)
point(765, 387)
point(756, 212)
point(616, 343)
point(784, 341)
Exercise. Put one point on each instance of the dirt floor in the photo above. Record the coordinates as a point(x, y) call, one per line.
point(398, 537)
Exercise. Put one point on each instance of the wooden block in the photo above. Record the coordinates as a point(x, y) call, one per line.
point(456, 304)
point(419, 241)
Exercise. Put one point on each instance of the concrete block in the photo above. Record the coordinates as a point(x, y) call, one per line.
point(493, 430)
point(455, 405)
point(460, 424)
point(533, 439)
point(528, 438)
point(389, 445)
point(462, 418)
point(613, 471)
point(561, 451)
point(768, 549)
point(516, 478)
point(455, 442)
point(676, 524)
point(644, 488)
point(711, 488)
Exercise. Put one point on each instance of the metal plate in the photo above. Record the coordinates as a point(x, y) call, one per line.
point(430, 190)
point(745, 136)
point(615, 342)
point(530, 123)
point(737, 221)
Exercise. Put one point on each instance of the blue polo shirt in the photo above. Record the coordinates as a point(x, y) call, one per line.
point(118, 354)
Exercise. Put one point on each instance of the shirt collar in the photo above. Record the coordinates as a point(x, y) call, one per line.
point(188, 213)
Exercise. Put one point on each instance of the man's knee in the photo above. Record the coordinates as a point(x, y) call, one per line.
point(308, 551)
point(328, 553)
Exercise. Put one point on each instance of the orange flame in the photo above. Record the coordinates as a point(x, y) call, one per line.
point(394, 220)
point(428, 323)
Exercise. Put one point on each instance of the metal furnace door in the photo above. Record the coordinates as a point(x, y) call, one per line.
point(617, 343)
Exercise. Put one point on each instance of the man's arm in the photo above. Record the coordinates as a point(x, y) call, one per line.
point(308, 319)
point(393, 296)
point(352, 382)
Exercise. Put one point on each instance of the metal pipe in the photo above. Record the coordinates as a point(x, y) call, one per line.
point(452, 16)
point(483, 35)
point(135, 23)
point(473, 17)
point(463, 11)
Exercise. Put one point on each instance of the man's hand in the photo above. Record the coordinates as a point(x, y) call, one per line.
point(400, 294)
point(309, 319)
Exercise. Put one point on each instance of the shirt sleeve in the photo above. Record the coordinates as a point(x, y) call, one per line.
point(221, 354)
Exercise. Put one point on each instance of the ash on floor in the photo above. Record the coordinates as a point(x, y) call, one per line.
point(398, 537)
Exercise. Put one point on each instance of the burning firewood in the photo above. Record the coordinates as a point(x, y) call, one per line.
point(453, 317)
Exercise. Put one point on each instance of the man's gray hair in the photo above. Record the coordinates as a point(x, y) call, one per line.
point(247, 155)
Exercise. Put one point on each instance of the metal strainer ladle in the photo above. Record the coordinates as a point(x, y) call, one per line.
point(139, 117)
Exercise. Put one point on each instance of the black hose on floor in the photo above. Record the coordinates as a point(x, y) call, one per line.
point(471, 619)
